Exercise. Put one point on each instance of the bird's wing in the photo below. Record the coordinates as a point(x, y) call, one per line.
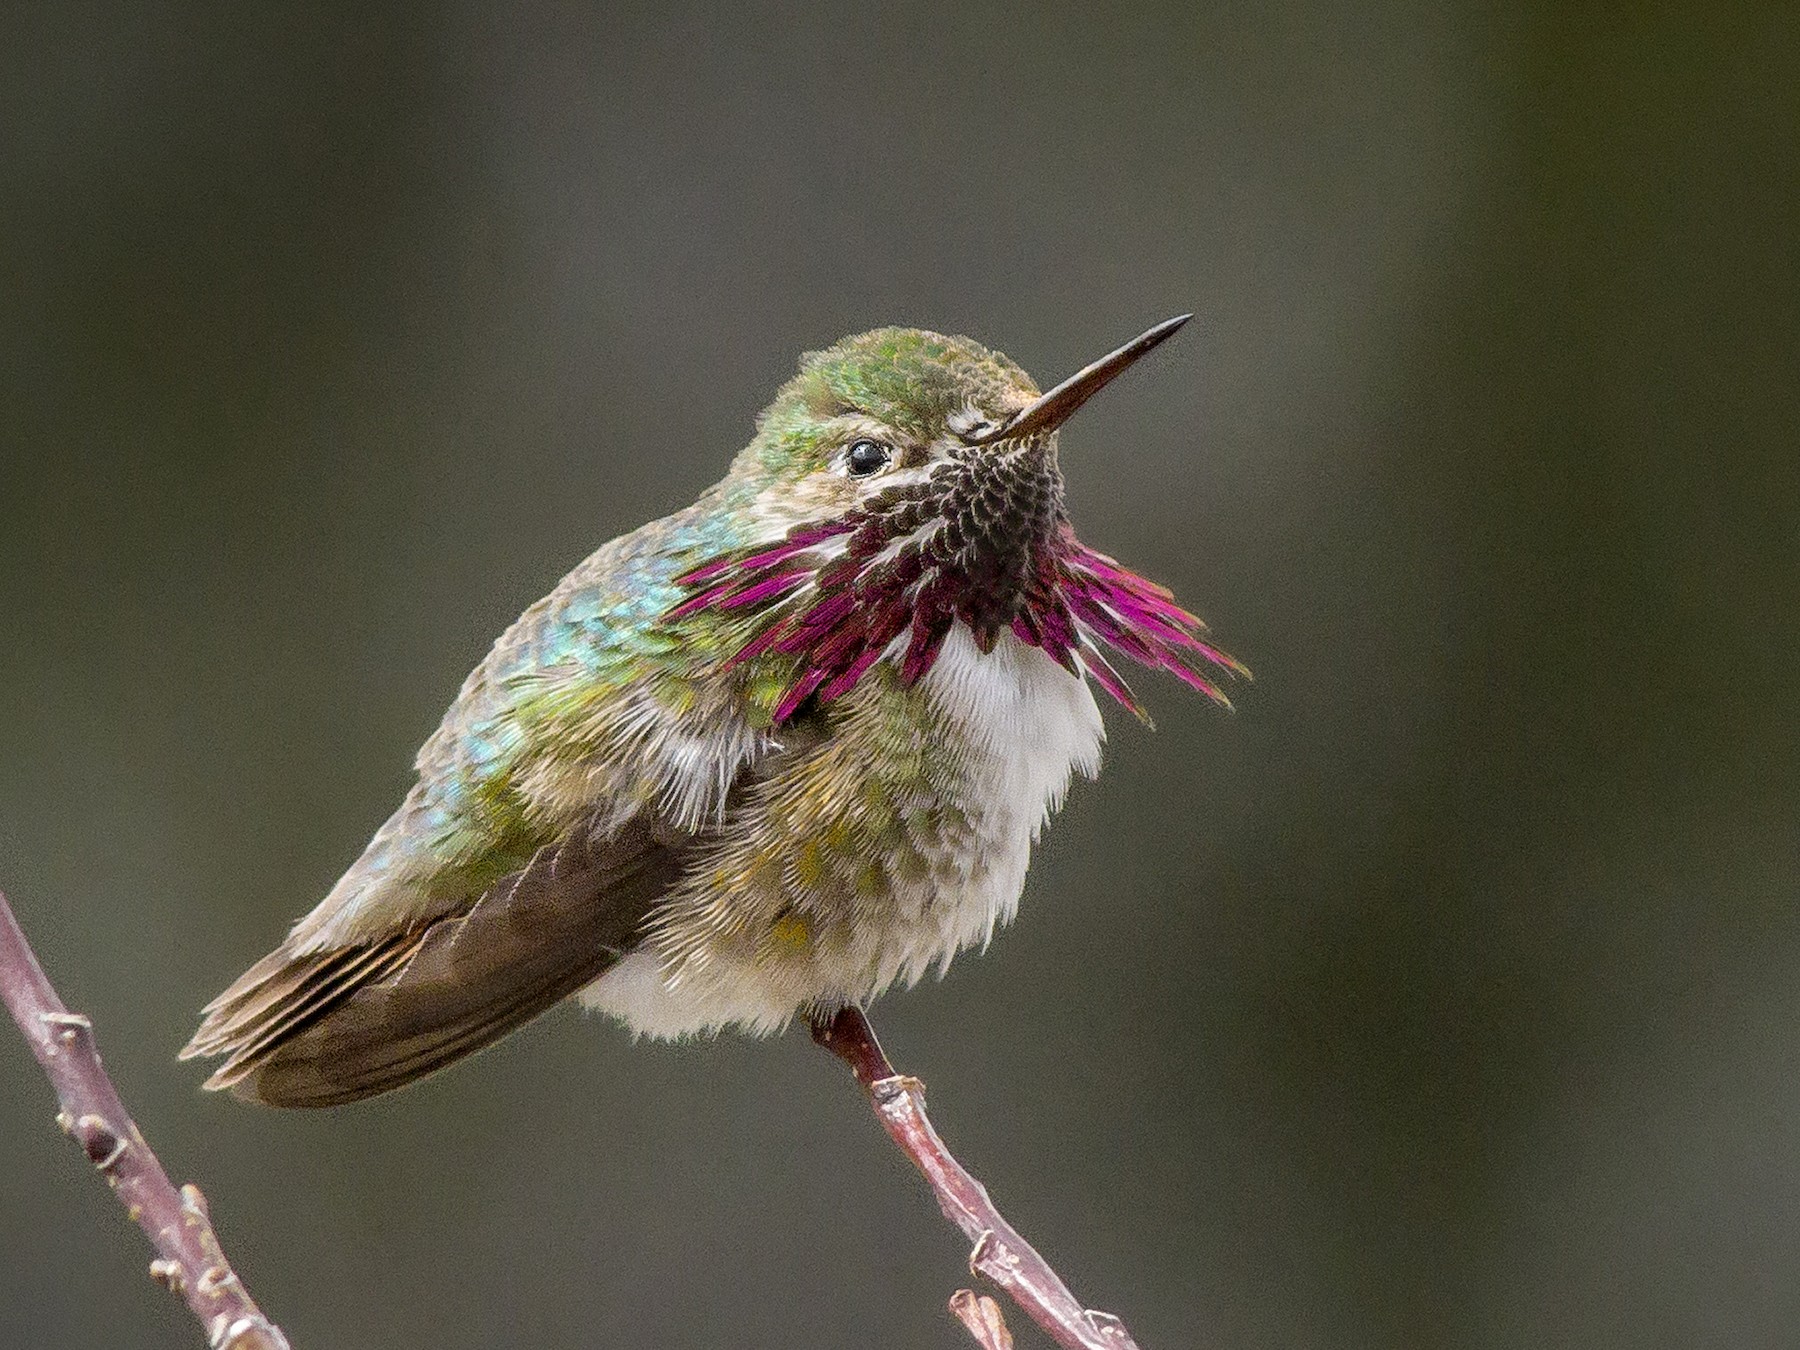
point(325, 1027)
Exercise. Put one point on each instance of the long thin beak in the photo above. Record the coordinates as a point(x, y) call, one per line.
point(1049, 411)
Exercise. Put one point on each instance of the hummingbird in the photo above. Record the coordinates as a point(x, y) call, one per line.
point(763, 758)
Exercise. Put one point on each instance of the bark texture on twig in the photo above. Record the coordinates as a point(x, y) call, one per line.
point(189, 1260)
point(981, 1315)
point(999, 1252)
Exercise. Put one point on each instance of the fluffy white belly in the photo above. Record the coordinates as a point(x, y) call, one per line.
point(1026, 725)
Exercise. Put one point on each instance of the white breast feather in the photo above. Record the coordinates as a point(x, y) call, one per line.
point(1030, 723)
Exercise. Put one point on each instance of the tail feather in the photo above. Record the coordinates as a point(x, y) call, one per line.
point(319, 1028)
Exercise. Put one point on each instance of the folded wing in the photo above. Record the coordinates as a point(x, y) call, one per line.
point(323, 1027)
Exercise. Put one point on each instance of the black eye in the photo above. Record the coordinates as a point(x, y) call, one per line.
point(864, 457)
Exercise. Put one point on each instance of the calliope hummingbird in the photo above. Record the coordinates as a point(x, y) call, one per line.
point(761, 758)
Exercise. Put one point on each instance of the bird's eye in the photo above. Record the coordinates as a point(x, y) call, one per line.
point(864, 457)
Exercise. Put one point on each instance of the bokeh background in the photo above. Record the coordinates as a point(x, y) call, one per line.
point(1448, 994)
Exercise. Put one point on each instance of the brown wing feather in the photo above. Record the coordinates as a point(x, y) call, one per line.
point(322, 1028)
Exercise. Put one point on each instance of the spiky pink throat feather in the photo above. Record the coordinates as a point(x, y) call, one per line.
point(837, 597)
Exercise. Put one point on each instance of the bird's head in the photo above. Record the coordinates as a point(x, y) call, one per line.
point(904, 482)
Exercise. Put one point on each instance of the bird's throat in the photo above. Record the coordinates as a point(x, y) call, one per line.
point(993, 552)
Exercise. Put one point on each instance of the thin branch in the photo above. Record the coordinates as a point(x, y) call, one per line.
point(981, 1315)
point(999, 1253)
point(189, 1260)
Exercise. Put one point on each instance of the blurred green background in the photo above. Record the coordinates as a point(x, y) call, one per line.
point(1446, 995)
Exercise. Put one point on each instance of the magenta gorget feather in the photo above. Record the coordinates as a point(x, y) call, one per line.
point(984, 541)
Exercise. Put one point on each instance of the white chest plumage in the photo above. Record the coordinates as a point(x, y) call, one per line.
point(1029, 725)
point(1022, 726)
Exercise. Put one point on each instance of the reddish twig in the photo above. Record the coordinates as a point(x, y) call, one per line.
point(189, 1260)
point(981, 1315)
point(999, 1253)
